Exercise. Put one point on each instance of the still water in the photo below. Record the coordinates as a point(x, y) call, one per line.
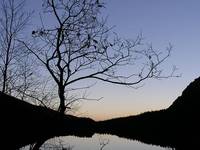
point(98, 142)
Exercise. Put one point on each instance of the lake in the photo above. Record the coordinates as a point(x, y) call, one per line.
point(98, 142)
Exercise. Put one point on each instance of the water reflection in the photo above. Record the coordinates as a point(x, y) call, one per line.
point(98, 142)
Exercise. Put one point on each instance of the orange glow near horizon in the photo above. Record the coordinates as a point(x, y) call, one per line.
point(107, 109)
point(99, 116)
point(119, 101)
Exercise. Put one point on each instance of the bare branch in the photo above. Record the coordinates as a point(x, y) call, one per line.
point(82, 47)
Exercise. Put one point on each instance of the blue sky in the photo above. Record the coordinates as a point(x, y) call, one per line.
point(161, 22)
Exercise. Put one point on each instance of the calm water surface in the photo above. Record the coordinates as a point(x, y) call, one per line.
point(96, 142)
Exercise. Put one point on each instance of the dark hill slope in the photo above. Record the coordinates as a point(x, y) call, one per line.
point(178, 126)
point(189, 101)
point(23, 123)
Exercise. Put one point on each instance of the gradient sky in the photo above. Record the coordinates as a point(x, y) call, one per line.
point(161, 22)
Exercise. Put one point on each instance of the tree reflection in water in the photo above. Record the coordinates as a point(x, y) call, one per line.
point(97, 142)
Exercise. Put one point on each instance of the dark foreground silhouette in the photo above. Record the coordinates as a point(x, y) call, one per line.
point(23, 123)
point(177, 126)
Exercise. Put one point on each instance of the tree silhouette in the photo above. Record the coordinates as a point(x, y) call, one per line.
point(78, 45)
point(15, 70)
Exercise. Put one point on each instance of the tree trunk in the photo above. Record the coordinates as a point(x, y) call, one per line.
point(61, 93)
point(4, 81)
point(5, 72)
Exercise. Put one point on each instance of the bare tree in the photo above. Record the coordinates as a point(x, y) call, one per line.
point(18, 72)
point(14, 68)
point(77, 45)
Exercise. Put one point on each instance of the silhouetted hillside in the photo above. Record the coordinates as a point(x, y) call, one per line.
point(178, 126)
point(23, 123)
point(189, 101)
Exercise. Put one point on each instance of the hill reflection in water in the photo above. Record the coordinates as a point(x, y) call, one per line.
point(94, 143)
